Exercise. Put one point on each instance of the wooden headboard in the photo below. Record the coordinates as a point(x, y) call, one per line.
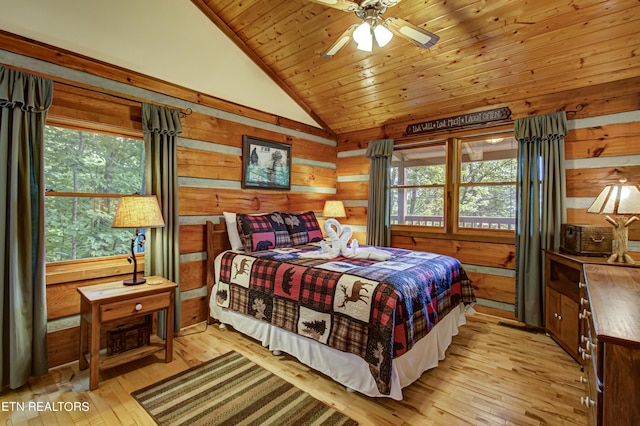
point(217, 242)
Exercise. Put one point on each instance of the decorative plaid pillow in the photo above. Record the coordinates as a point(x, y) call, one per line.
point(262, 232)
point(303, 228)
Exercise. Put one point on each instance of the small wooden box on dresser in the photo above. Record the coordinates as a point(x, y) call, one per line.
point(610, 344)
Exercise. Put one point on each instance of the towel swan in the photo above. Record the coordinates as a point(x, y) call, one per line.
point(339, 237)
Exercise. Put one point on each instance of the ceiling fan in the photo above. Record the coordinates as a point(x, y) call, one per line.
point(374, 26)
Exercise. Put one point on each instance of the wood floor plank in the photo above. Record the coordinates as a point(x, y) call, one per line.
point(492, 375)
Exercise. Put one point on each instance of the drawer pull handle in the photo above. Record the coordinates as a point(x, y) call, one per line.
point(583, 380)
point(587, 402)
point(581, 285)
point(138, 306)
point(590, 346)
point(586, 313)
point(583, 338)
point(583, 301)
point(597, 240)
point(585, 355)
point(559, 317)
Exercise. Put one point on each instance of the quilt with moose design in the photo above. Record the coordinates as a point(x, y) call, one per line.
point(375, 309)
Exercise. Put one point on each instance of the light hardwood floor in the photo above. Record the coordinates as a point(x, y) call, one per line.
point(492, 375)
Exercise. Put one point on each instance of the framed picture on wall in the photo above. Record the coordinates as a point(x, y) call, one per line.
point(265, 164)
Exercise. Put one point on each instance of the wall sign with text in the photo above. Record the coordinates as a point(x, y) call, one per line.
point(470, 119)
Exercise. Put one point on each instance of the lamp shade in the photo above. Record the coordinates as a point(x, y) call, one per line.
point(138, 211)
point(334, 208)
point(618, 199)
point(383, 35)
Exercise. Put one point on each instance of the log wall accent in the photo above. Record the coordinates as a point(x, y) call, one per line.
point(601, 152)
point(209, 169)
point(598, 150)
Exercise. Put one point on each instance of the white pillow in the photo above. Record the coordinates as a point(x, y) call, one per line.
point(232, 231)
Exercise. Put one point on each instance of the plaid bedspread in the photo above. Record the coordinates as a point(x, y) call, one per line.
point(376, 310)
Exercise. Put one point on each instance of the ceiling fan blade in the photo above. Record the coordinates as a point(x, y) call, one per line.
point(340, 42)
point(416, 35)
point(389, 3)
point(346, 5)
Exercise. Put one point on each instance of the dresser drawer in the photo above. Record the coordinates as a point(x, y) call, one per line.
point(612, 344)
point(137, 306)
point(592, 399)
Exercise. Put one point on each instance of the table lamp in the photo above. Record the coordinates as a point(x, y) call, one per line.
point(333, 209)
point(619, 200)
point(137, 211)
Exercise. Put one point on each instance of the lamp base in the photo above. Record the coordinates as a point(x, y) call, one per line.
point(135, 281)
point(625, 259)
point(621, 240)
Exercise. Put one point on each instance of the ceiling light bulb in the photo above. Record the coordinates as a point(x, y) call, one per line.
point(366, 47)
point(362, 36)
point(383, 35)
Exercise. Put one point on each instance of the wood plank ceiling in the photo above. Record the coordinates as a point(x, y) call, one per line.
point(490, 54)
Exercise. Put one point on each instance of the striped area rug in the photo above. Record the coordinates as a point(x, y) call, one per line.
point(232, 390)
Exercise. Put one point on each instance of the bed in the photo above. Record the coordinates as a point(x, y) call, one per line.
point(372, 326)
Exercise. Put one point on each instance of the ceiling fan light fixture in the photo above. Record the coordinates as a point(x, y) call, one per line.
point(383, 35)
point(374, 25)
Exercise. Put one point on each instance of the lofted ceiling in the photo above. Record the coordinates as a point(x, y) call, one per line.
point(490, 54)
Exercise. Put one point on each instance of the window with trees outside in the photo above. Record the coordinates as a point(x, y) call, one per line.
point(487, 183)
point(455, 184)
point(85, 175)
point(418, 180)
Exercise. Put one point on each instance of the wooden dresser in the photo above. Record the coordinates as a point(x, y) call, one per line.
point(610, 344)
point(563, 275)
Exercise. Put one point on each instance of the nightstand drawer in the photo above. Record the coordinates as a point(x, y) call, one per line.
point(137, 306)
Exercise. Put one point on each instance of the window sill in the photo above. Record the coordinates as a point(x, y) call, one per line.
point(487, 236)
point(87, 269)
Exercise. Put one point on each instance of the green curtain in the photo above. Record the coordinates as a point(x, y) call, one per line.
point(541, 195)
point(24, 101)
point(161, 127)
point(378, 222)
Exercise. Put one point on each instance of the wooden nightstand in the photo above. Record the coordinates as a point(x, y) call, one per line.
point(102, 303)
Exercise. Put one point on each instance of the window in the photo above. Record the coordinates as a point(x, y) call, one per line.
point(487, 190)
point(418, 179)
point(85, 174)
point(470, 180)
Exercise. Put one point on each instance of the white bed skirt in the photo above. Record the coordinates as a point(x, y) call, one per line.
point(346, 368)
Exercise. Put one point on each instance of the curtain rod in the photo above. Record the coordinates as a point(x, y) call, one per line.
point(183, 114)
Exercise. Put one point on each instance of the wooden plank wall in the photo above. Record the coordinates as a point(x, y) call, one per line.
point(209, 169)
point(598, 151)
point(210, 173)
